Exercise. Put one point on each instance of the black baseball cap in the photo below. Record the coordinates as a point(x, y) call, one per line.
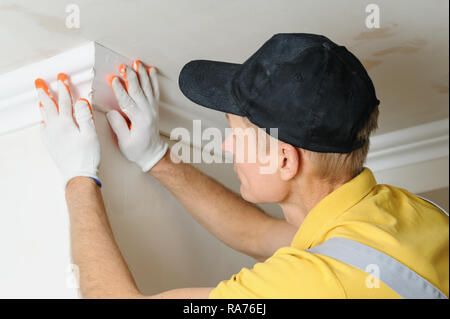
point(315, 92)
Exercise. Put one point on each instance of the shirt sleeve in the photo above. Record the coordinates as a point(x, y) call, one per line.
point(289, 273)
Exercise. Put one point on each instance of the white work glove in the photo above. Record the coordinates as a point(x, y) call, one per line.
point(73, 146)
point(139, 140)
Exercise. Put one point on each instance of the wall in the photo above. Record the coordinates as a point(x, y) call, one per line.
point(439, 196)
point(164, 247)
point(34, 237)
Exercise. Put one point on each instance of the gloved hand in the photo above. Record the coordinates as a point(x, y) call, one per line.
point(73, 146)
point(139, 141)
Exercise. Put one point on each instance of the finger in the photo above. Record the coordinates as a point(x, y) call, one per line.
point(83, 116)
point(43, 113)
point(127, 119)
point(126, 103)
point(134, 88)
point(144, 80)
point(47, 105)
point(46, 100)
point(123, 73)
point(64, 96)
point(154, 81)
point(118, 125)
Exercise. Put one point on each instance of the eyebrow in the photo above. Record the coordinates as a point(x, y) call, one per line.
point(226, 115)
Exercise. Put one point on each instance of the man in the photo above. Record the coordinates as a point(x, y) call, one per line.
point(342, 231)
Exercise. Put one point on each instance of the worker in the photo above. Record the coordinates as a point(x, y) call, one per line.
point(343, 235)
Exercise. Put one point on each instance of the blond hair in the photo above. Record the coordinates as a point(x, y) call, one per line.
point(333, 167)
point(339, 167)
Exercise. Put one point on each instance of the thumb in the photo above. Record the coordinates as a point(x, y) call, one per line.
point(118, 124)
point(83, 115)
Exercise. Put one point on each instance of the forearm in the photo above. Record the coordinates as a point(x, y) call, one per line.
point(103, 271)
point(234, 221)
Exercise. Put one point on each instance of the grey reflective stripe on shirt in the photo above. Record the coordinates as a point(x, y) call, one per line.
point(432, 203)
point(392, 273)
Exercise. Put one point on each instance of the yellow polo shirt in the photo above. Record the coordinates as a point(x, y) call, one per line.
point(385, 217)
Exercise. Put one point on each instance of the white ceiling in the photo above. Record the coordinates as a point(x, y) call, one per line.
point(407, 57)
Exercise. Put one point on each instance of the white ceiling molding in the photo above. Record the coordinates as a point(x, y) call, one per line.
point(18, 103)
point(415, 158)
point(88, 68)
point(409, 146)
point(90, 65)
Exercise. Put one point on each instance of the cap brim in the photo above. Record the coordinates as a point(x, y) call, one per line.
point(208, 83)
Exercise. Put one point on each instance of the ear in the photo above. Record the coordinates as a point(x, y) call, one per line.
point(290, 161)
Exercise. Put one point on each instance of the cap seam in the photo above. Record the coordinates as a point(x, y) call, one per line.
point(244, 106)
point(358, 143)
point(350, 69)
point(312, 134)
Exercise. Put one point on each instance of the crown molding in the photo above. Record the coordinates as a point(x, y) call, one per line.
point(415, 158)
point(409, 146)
point(18, 103)
point(89, 66)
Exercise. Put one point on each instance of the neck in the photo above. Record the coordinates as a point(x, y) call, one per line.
point(304, 196)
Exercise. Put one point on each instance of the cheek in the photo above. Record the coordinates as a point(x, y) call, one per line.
point(260, 188)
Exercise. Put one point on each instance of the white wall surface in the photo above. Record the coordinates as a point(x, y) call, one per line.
point(34, 233)
point(164, 247)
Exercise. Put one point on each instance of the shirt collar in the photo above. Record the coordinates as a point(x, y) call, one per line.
point(332, 206)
